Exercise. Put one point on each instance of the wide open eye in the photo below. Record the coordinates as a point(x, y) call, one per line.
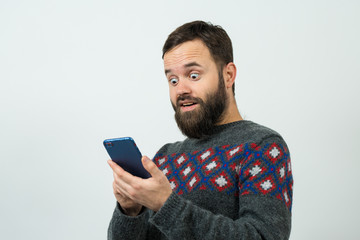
point(194, 76)
point(173, 81)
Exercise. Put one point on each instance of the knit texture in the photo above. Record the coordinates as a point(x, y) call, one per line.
point(234, 184)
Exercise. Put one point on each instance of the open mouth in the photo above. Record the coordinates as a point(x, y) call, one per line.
point(188, 106)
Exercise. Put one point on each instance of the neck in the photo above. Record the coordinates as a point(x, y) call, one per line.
point(231, 114)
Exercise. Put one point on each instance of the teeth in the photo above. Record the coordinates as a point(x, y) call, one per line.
point(187, 104)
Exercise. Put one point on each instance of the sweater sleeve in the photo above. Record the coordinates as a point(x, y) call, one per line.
point(264, 210)
point(127, 227)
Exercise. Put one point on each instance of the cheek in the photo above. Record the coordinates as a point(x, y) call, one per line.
point(172, 95)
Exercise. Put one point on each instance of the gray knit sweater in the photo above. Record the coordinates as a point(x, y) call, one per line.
point(234, 184)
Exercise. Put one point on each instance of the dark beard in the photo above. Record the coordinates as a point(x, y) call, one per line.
point(201, 121)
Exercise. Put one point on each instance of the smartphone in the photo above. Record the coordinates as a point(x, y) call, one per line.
point(126, 154)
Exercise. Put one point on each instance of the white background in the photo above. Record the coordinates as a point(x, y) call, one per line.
point(76, 72)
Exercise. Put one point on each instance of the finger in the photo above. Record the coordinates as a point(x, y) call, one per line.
point(122, 189)
point(125, 182)
point(151, 167)
point(119, 191)
point(119, 183)
point(116, 168)
point(121, 173)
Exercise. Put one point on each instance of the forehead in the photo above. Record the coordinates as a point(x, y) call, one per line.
point(190, 51)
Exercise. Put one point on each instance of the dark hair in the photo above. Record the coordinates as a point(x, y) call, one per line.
point(213, 36)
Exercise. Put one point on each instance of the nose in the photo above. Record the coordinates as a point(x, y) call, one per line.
point(183, 87)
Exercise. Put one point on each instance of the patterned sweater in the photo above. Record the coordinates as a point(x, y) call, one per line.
point(235, 184)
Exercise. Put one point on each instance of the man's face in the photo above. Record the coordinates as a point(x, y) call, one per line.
point(197, 89)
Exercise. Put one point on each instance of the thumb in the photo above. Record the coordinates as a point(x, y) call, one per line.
point(150, 166)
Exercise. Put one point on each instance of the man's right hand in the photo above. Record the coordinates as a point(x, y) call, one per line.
point(129, 207)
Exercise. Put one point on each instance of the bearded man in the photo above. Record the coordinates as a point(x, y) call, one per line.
point(229, 179)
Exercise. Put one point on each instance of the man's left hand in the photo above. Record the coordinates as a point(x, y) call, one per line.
point(151, 193)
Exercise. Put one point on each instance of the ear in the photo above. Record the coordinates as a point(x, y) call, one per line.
point(229, 73)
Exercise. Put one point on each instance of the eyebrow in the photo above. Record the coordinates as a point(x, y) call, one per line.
point(191, 64)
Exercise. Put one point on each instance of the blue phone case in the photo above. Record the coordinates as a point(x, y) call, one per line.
point(126, 154)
